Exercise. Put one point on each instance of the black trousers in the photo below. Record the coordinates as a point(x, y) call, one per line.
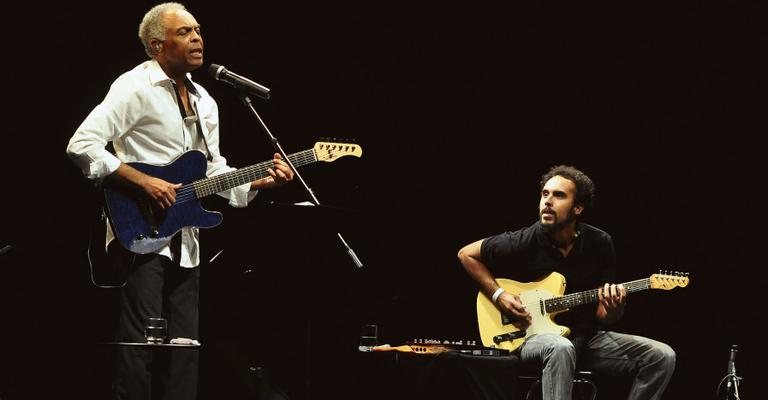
point(156, 287)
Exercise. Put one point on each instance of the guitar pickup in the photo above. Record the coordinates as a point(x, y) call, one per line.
point(508, 337)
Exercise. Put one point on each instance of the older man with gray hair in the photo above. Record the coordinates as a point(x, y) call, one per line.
point(153, 114)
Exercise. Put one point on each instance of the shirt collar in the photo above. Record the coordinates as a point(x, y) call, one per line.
point(157, 76)
point(545, 241)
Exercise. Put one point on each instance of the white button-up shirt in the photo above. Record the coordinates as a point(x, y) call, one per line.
point(141, 117)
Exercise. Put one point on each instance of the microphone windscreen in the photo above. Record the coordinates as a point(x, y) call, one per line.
point(214, 70)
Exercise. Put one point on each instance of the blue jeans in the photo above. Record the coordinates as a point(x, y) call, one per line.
point(650, 362)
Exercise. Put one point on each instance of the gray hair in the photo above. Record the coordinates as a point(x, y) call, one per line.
point(152, 27)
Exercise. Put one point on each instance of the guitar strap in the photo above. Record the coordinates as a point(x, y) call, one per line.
point(176, 247)
point(191, 88)
point(200, 132)
point(176, 240)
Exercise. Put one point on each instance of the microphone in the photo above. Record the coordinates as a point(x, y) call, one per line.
point(220, 73)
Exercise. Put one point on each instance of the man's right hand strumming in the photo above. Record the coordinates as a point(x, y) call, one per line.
point(511, 305)
point(162, 193)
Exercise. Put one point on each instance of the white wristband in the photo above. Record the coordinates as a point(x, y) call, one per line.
point(496, 294)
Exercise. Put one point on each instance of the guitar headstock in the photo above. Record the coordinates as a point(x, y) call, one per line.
point(669, 280)
point(330, 151)
point(430, 346)
point(434, 346)
point(414, 348)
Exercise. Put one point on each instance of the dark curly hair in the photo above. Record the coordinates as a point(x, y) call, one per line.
point(585, 189)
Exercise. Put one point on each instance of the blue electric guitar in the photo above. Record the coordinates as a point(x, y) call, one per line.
point(142, 228)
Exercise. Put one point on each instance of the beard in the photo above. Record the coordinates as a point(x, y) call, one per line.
point(551, 227)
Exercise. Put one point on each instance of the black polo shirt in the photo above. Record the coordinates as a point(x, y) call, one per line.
point(529, 253)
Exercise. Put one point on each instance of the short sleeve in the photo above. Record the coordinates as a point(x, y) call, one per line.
point(500, 250)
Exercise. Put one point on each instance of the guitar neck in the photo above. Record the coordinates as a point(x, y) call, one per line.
point(590, 296)
point(219, 183)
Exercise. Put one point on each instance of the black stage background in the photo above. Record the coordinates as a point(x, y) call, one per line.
point(459, 110)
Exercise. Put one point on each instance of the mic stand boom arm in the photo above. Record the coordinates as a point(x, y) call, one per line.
point(296, 174)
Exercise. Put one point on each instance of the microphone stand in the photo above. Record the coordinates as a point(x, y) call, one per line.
point(276, 144)
point(731, 378)
point(278, 148)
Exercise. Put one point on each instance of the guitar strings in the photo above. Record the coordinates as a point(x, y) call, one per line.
point(575, 299)
point(248, 174)
point(207, 186)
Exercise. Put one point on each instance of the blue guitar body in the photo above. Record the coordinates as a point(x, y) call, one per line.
point(143, 228)
point(139, 225)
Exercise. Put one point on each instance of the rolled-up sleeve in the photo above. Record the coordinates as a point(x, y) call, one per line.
point(110, 119)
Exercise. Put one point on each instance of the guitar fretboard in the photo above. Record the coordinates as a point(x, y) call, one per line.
point(215, 184)
point(589, 296)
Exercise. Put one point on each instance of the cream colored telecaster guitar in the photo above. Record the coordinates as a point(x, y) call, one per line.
point(544, 299)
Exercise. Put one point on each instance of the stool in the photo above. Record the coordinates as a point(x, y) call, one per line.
point(582, 382)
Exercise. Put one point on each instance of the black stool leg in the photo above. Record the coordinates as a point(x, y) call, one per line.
point(583, 378)
point(531, 394)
